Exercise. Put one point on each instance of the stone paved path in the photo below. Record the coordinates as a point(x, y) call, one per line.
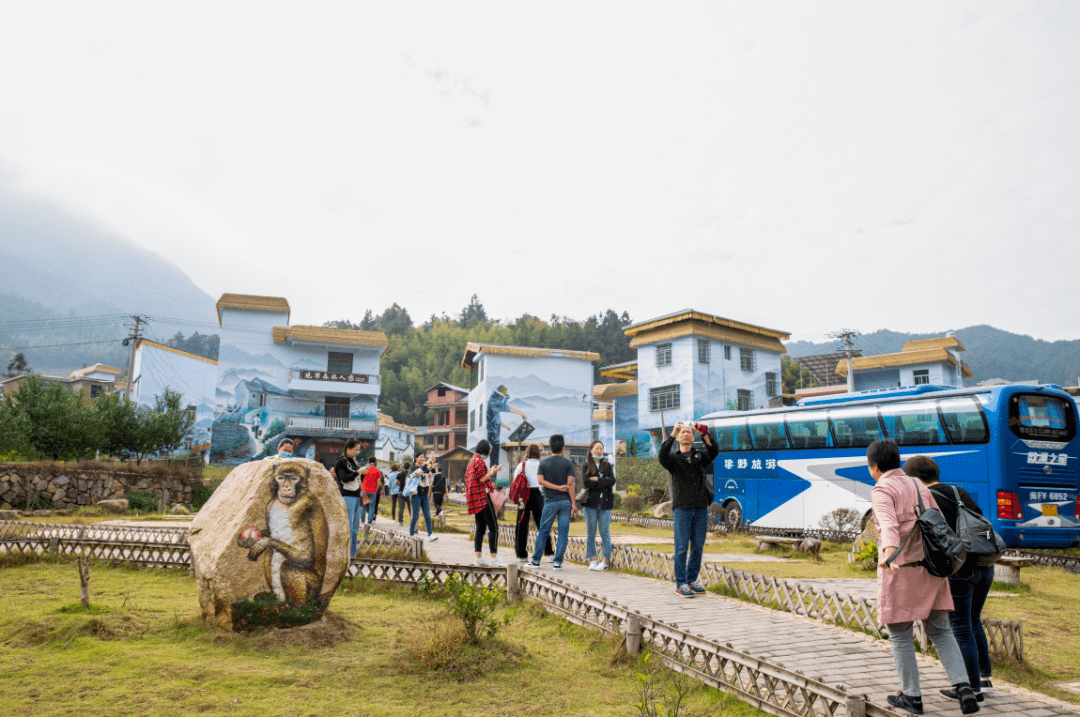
point(831, 654)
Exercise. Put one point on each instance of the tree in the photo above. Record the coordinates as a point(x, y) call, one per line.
point(17, 365)
point(473, 314)
point(128, 429)
point(55, 422)
point(794, 375)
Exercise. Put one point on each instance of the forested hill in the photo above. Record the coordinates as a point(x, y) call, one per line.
point(991, 353)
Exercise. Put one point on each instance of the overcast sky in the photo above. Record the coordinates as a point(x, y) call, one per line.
point(805, 166)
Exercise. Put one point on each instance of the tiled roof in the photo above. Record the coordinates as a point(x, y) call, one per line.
point(904, 358)
point(186, 354)
point(385, 420)
point(96, 368)
point(689, 315)
point(608, 391)
point(944, 342)
point(323, 335)
point(472, 349)
point(252, 303)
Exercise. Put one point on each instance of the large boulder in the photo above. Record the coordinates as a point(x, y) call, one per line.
point(663, 510)
point(118, 505)
point(271, 545)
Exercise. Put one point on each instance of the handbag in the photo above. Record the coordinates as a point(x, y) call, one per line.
point(984, 545)
point(412, 484)
point(519, 488)
point(943, 551)
point(354, 484)
point(582, 497)
point(364, 500)
point(498, 499)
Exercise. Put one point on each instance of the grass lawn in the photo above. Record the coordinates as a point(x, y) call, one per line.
point(141, 649)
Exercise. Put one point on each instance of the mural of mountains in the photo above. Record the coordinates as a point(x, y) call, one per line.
point(58, 265)
point(531, 385)
point(991, 353)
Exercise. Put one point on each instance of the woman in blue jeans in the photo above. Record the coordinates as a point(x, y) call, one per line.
point(599, 477)
point(419, 502)
point(347, 476)
point(969, 586)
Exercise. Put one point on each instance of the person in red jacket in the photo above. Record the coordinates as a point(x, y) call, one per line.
point(370, 488)
point(478, 484)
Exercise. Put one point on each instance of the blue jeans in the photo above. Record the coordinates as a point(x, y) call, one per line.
point(416, 504)
point(690, 527)
point(371, 506)
point(554, 509)
point(969, 596)
point(352, 505)
point(594, 516)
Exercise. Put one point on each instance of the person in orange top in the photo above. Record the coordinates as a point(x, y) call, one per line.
point(370, 488)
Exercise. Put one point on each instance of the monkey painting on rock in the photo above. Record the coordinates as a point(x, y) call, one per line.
point(296, 537)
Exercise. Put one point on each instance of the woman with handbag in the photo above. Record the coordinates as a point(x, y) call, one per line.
point(347, 476)
point(906, 591)
point(969, 586)
point(478, 488)
point(598, 477)
point(416, 488)
point(533, 507)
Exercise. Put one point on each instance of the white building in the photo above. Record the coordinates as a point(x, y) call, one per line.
point(934, 362)
point(159, 367)
point(396, 441)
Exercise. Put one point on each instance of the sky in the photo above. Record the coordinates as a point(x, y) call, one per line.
point(802, 166)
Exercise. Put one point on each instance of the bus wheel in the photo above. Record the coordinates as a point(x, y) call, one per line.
point(734, 517)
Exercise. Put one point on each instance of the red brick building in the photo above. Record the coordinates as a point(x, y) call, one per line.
point(450, 424)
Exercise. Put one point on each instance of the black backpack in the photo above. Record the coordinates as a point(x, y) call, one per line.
point(944, 551)
point(984, 545)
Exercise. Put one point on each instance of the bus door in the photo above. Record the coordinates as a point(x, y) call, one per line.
point(733, 483)
point(780, 493)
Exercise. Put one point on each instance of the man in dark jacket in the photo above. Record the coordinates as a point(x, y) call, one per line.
point(691, 496)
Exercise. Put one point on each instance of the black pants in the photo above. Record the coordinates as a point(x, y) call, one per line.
point(485, 521)
point(377, 494)
point(398, 504)
point(437, 498)
point(533, 507)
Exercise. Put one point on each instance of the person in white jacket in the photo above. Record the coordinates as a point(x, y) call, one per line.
point(533, 507)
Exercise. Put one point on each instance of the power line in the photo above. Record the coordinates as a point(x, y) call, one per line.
point(53, 346)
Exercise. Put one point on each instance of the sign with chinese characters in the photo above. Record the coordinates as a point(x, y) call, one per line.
point(1047, 459)
point(755, 465)
point(334, 376)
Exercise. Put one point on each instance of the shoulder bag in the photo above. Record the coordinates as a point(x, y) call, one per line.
point(943, 550)
point(984, 545)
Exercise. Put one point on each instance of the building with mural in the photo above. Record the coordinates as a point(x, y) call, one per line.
point(935, 362)
point(689, 364)
point(159, 367)
point(396, 441)
point(316, 385)
point(518, 384)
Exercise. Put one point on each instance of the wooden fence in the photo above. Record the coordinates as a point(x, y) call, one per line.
point(1005, 637)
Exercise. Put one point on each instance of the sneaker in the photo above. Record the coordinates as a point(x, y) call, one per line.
point(480, 561)
point(986, 685)
point(951, 694)
point(533, 563)
point(556, 566)
point(969, 703)
point(497, 563)
point(432, 538)
point(697, 587)
point(601, 566)
point(684, 591)
point(592, 565)
point(911, 704)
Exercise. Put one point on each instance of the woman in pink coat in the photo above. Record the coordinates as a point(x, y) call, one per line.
point(906, 592)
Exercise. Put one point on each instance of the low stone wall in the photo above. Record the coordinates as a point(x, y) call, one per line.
point(70, 485)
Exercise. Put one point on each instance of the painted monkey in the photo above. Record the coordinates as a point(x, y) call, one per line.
point(296, 534)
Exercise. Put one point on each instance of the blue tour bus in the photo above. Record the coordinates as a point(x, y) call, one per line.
point(1013, 448)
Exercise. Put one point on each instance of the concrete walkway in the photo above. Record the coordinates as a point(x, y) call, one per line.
point(832, 654)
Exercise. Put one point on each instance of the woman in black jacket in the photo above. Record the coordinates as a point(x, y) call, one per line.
point(969, 586)
point(347, 473)
point(599, 477)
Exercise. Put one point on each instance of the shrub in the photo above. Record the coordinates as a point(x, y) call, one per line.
point(201, 493)
point(633, 489)
point(141, 501)
point(866, 557)
point(845, 520)
point(616, 501)
point(475, 605)
point(633, 504)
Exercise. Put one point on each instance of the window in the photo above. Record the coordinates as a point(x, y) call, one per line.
point(440, 391)
point(1041, 417)
point(771, 385)
point(703, 351)
point(922, 376)
point(95, 389)
point(663, 354)
point(727, 353)
point(440, 442)
point(748, 359)
point(472, 420)
point(746, 399)
point(963, 420)
point(664, 398)
point(913, 423)
point(809, 429)
point(442, 418)
point(732, 435)
point(336, 407)
point(855, 427)
point(190, 411)
point(391, 455)
point(337, 362)
point(481, 369)
point(768, 432)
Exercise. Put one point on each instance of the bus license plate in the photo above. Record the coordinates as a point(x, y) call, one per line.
point(1049, 509)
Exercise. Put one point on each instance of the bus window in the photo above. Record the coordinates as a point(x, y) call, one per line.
point(809, 429)
point(856, 426)
point(768, 432)
point(731, 434)
point(963, 420)
point(913, 423)
point(1042, 417)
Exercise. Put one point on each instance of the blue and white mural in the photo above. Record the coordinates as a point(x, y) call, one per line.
point(159, 367)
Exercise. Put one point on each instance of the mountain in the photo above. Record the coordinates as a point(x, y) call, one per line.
point(991, 353)
point(57, 264)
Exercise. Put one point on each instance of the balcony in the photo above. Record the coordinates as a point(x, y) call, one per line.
point(333, 382)
point(323, 425)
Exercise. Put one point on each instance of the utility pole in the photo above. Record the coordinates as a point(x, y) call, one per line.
point(134, 341)
point(847, 335)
